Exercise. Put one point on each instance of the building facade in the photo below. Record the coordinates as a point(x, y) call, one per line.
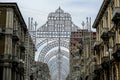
point(42, 71)
point(16, 46)
point(108, 41)
point(81, 55)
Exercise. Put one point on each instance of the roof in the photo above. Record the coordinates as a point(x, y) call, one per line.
point(16, 10)
point(101, 13)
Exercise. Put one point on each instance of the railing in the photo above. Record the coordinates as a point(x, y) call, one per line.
point(76, 68)
point(22, 46)
point(104, 30)
point(21, 64)
point(9, 58)
point(96, 43)
point(16, 35)
point(105, 35)
point(116, 47)
point(105, 59)
point(6, 57)
point(116, 52)
point(116, 11)
point(1, 31)
point(97, 68)
point(76, 57)
point(15, 59)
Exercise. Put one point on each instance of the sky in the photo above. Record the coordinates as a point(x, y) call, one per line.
point(39, 9)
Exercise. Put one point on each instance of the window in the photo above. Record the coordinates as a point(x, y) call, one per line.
point(106, 18)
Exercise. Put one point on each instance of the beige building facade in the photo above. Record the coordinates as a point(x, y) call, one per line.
point(16, 46)
point(107, 48)
point(81, 55)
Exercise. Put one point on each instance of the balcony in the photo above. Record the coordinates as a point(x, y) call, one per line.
point(21, 63)
point(105, 35)
point(6, 58)
point(76, 68)
point(76, 58)
point(96, 45)
point(105, 62)
point(116, 15)
point(22, 46)
point(15, 60)
point(116, 52)
point(75, 53)
point(15, 35)
point(21, 66)
point(1, 32)
point(111, 33)
point(97, 68)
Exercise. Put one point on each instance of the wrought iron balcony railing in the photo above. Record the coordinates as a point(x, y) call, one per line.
point(22, 46)
point(105, 59)
point(15, 61)
point(76, 67)
point(97, 68)
point(1, 32)
point(105, 62)
point(96, 45)
point(116, 51)
point(111, 33)
point(104, 35)
point(9, 58)
point(76, 57)
point(116, 14)
point(5, 57)
point(21, 66)
point(15, 35)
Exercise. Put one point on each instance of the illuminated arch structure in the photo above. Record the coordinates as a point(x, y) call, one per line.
point(53, 43)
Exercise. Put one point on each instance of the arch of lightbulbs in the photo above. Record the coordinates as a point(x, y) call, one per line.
point(53, 41)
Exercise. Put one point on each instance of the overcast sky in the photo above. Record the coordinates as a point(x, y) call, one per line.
point(39, 9)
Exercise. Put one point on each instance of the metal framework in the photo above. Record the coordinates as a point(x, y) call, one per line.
point(54, 53)
point(52, 42)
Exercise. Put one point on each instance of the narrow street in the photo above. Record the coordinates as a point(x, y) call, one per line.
point(60, 48)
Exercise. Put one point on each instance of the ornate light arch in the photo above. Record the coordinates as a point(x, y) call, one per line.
point(55, 65)
point(55, 74)
point(57, 28)
point(50, 46)
point(54, 60)
point(64, 58)
point(54, 53)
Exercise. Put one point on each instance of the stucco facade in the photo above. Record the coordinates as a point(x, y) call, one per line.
point(108, 41)
point(16, 46)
